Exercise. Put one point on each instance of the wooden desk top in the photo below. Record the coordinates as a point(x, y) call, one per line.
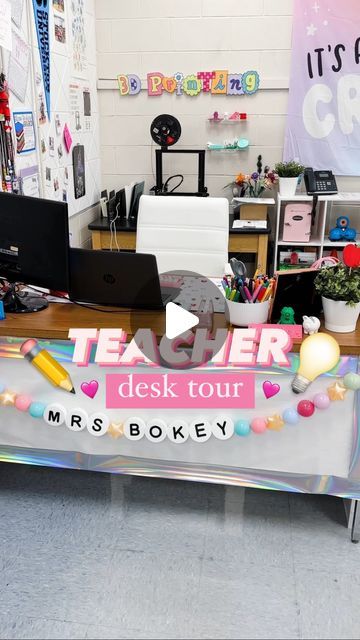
point(54, 324)
point(102, 224)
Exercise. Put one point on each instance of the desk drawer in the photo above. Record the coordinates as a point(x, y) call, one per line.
point(246, 243)
point(102, 240)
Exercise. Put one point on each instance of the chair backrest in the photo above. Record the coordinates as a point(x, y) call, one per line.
point(185, 233)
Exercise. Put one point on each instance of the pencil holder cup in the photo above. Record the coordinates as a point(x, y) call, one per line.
point(241, 315)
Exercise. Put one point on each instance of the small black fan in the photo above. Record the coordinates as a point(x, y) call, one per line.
point(165, 130)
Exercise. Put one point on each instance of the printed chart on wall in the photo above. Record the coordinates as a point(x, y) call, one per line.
point(80, 107)
point(79, 62)
point(19, 62)
point(24, 131)
point(29, 181)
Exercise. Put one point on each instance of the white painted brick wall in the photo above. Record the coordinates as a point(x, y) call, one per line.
point(138, 36)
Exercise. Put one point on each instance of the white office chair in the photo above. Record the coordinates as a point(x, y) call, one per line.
point(185, 233)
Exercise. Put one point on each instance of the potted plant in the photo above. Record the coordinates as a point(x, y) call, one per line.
point(339, 287)
point(289, 173)
point(253, 186)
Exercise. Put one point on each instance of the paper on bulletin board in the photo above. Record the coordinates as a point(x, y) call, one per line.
point(87, 107)
point(24, 131)
point(79, 171)
point(59, 5)
point(29, 182)
point(67, 138)
point(76, 106)
point(79, 58)
point(17, 11)
point(19, 67)
point(5, 25)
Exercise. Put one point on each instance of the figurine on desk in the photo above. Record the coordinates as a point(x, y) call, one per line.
point(342, 230)
point(287, 316)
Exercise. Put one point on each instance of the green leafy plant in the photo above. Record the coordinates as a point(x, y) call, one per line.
point(339, 283)
point(290, 169)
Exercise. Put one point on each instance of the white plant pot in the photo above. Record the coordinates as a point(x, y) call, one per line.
point(287, 187)
point(340, 317)
point(241, 314)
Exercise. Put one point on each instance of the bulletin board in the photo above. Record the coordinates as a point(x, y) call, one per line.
point(73, 106)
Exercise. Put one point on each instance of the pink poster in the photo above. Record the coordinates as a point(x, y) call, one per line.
point(323, 125)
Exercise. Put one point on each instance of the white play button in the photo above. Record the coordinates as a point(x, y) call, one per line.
point(178, 320)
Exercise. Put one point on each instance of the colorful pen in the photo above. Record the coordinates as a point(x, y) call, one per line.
point(243, 295)
point(256, 292)
point(247, 293)
point(261, 294)
point(232, 295)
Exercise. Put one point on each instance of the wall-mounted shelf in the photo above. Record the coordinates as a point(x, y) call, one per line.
point(235, 118)
point(221, 122)
point(227, 149)
point(242, 145)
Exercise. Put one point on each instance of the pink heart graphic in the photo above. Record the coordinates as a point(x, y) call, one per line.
point(270, 389)
point(90, 388)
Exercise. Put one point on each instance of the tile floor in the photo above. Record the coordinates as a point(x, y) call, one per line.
point(86, 555)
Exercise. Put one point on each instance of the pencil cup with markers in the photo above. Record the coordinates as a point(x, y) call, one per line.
point(248, 300)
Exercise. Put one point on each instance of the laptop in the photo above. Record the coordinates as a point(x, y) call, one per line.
point(120, 279)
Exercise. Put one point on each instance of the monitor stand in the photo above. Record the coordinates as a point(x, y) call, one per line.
point(15, 302)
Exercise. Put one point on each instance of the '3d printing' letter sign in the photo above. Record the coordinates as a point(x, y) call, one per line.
point(218, 82)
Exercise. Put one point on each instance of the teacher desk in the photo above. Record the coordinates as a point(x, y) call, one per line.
point(240, 240)
point(318, 456)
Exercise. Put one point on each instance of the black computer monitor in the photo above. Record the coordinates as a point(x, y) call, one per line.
point(34, 247)
point(138, 191)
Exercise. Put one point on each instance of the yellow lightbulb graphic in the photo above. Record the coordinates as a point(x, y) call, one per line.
point(319, 353)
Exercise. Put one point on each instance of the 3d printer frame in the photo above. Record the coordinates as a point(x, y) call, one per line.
point(202, 189)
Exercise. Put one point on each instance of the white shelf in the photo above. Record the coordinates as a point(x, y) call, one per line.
point(340, 243)
point(298, 197)
point(245, 200)
point(337, 197)
point(316, 242)
point(346, 197)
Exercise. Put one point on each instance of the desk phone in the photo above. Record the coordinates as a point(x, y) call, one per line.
point(320, 183)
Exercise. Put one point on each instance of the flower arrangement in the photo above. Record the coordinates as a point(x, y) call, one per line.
point(254, 184)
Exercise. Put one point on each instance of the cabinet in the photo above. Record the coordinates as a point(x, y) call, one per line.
point(324, 220)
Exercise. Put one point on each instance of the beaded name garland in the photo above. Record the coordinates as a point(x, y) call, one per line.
point(178, 431)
